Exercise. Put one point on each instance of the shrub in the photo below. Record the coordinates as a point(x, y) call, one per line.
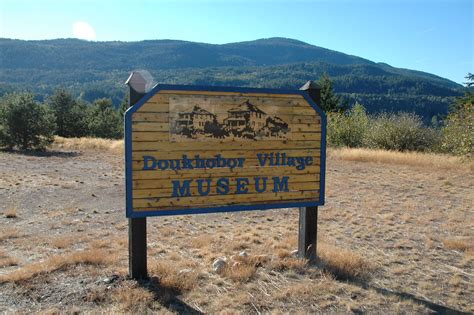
point(24, 123)
point(348, 129)
point(458, 132)
point(400, 132)
point(71, 115)
point(104, 120)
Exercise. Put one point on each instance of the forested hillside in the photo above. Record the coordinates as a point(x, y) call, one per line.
point(98, 69)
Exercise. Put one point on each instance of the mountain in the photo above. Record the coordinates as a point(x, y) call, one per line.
point(98, 69)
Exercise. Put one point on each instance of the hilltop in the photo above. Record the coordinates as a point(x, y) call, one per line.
point(98, 69)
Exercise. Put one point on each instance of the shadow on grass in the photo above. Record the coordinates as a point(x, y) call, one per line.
point(62, 154)
point(436, 308)
point(167, 296)
point(356, 271)
point(364, 284)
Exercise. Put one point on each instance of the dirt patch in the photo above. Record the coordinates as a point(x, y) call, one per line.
point(393, 238)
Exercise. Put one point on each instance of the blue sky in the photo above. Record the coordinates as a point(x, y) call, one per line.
point(434, 36)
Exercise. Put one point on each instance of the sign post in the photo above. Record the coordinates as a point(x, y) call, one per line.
point(200, 149)
point(137, 245)
point(308, 220)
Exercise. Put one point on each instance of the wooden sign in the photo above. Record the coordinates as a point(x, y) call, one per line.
point(210, 149)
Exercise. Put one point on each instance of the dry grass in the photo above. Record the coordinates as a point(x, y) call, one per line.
point(402, 219)
point(349, 154)
point(172, 277)
point(54, 263)
point(429, 160)
point(9, 233)
point(88, 144)
point(240, 272)
point(7, 261)
point(461, 244)
point(201, 241)
point(297, 265)
point(344, 264)
point(133, 298)
point(63, 241)
point(11, 213)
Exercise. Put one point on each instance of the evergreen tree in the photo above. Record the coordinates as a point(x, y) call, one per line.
point(470, 80)
point(71, 115)
point(122, 109)
point(330, 102)
point(458, 132)
point(25, 123)
point(104, 120)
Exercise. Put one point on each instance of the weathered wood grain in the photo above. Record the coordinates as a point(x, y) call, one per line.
point(151, 127)
point(209, 201)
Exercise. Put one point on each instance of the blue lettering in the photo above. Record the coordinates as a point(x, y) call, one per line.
point(146, 163)
point(262, 158)
point(223, 186)
point(200, 190)
point(300, 163)
point(181, 191)
point(280, 184)
point(257, 185)
point(163, 164)
point(242, 185)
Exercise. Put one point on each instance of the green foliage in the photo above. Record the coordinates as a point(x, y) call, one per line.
point(470, 79)
point(71, 115)
point(458, 132)
point(121, 113)
point(24, 123)
point(330, 102)
point(348, 129)
point(400, 132)
point(104, 121)
point(95, 70)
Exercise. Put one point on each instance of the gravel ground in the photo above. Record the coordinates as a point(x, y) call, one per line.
point(412, 225)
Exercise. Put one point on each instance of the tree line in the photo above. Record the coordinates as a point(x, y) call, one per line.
point(26, 123)
point(404, 131)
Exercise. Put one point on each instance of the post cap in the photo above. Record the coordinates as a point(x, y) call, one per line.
point(141, 81)
point(310, 85)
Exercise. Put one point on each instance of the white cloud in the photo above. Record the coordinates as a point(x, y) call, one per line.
point(83, 30)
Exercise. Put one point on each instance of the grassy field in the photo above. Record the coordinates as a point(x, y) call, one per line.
point(396, 236)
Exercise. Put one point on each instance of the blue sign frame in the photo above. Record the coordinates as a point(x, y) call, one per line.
point(130, 213)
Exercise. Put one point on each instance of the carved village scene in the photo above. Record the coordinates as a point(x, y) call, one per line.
point(204, 119)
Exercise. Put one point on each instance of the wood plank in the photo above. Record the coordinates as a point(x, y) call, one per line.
point(150, 126)
point(155, 117)
point(305, 136)
point(168, 191)
point(225, 172)
point(235, 100)
point(164, 108)
point(164, 136)
point(222, 199)
point(164, 117)
point(153, 127)
point(164, 183)
point(213, 93)
point(224, 145)
point(250, 153)
point(154, 107)
point(267, 202)
point(249, 162)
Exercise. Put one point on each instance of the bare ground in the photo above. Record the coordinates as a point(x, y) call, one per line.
point(392, 238)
